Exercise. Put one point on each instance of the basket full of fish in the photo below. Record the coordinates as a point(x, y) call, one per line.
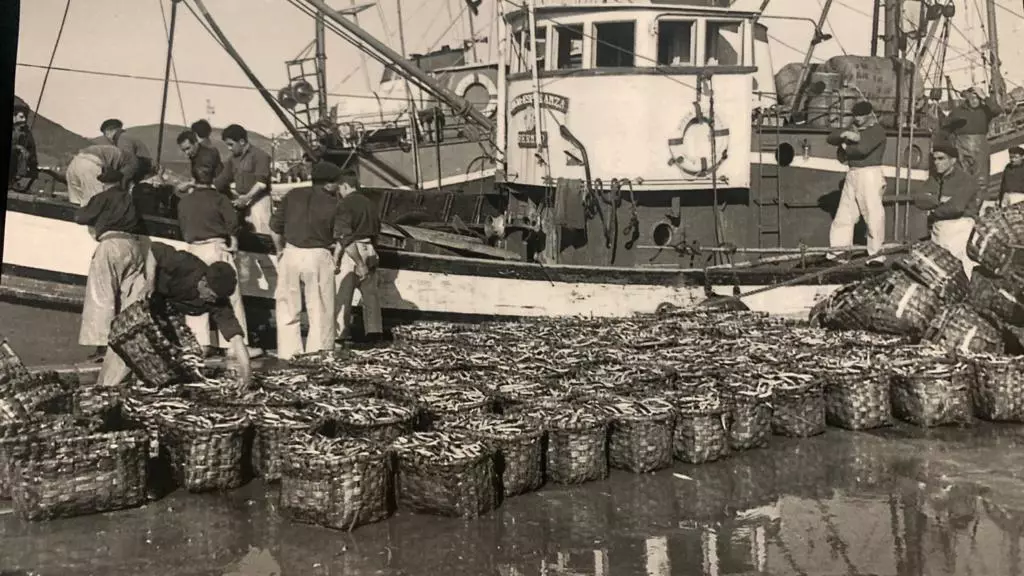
point(931, 392)
point(274, 428)
point(335, 483)
point(156, 344)
point(798, 404)
point(577, 442)
point(445, 473)
point(640, 433)
point(997, 391)
point(374, 419)
point(518, 446)
point(701, 433)
point(857, 391)
point(206, 447)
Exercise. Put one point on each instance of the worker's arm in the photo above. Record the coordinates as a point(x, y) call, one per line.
point(240, 352)
point(868, 142)
point(277, 220)
point(150, 272)
point(231, 330)
point(222, 181)
point(926, 197)
point(128, 165)
point(344, 228)
point(992, 107)
point(961, 195)
point(87, 215)
point(262, 170)
point(1003, 186)
point(228, 214)
point(836, 137)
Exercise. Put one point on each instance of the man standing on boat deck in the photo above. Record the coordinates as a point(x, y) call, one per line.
point(249, 168)
point(952, 199)
point(968, 127)
point(113, 134)
point(24, 166)
point(863, 144)
point(84, 170)
point(191, 287)
point(303, 229)
point(203, 131)
point(199, 154)
point(356, 259)
point(209, 223)
point(117, 273)
point(1011, 190)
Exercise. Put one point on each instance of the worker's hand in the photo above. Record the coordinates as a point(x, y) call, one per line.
point(361, 270)
point(372, 262)
point(851, 136)
point(241, 202)
point(924, 202)
point(148, 290)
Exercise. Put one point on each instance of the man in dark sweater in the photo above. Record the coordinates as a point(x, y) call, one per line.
point(952, 199)
point(303, 230)
point(209, 223)
point(1011, 190)
point(967, 128)
point(356, 259)
point(863, 145)
point(117, 272)
point(200, 154)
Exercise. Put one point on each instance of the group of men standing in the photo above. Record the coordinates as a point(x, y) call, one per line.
point(952, 196)
point(324, 237)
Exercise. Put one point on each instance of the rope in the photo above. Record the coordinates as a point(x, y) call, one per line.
point(174, 67)
point(53, 54)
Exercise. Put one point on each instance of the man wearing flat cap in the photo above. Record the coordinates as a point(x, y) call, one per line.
point(952, 199)
point(967, 126)
point(863, 145)
point(116, 277)
point(1011, 190)
point(188, 285)
point(302, 228)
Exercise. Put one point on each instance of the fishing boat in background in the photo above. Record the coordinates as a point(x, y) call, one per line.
point(628, 156)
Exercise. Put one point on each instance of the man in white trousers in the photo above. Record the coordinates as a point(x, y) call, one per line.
point(952, 199)
point(303, 229)
point(863, 145)
point(209, 224)
point(356, 260)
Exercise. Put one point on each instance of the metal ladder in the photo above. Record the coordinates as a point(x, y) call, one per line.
point(769, 186)
point(306, 115)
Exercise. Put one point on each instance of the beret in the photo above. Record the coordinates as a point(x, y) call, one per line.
point(947, 149)
point(325, 172)
point(862, 108)
point(222, 279)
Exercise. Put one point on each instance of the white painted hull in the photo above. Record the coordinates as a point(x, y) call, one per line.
point(58, 246)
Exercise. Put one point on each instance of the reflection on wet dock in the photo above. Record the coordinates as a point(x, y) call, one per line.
point(899, 502)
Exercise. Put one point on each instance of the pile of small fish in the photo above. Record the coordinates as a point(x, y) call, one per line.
point(568, 417)
point(493, 425)
point(365, 411)
point(203, 420)
point(626, 409)
point(439, 448)
point(281, 418)
point(451, 400)
point(302, 446)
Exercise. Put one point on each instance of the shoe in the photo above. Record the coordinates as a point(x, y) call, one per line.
point(98, 354)
point(255, 352)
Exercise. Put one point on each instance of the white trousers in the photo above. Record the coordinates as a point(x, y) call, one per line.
point(953, 236)
point(369, 292)
point(861, 197)
point(259, 214)
point(211, 251)
point(117, 279)
point(305, 272)
point(1011, 198)
point(83, 175)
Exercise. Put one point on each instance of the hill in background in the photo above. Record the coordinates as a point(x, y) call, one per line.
point(55, 144)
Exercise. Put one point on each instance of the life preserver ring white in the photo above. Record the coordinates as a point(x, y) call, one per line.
point(691, 150)
point(470, 80)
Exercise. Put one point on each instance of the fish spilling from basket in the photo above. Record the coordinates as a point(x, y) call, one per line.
point(454, 419)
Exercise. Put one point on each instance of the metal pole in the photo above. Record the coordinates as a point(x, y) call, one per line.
point(321, 65)
point(998, 86)
point(805, 71)
point(167, 80)
point(457, 103)
point(532, 19)
point(502, 139)
point(267, 96)
point(875, 16)
point(413, 120)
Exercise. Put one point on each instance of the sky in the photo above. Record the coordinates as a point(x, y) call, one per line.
point(129, 37)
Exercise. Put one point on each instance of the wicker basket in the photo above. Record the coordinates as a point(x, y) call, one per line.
point(990, 243)
point(97, 401)
point(274, 428)
point(960, 328)
point(903, 306)
point(577, 444)
point(85, 474)
point(21, 442)
point(334, 483)
point(997, 298)
point(936, 268)
point(858, 401)
point(701, 433)
point(749, 418)
point(640, 433)
point(206, 448)
point(998, 390)
point(44, 392)
point(446, 474)
point(156, 344)
point(517, 444)
point(848, 308)
point(372, 419)
point(932, 394)
point(447, 402)
point(799, 411)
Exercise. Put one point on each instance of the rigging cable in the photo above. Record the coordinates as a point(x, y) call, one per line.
point(53, 54)
point(174, 67)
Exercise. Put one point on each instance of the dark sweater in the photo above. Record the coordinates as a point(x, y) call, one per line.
point(961, 189)
point(177, 282)
point(306, 216)
point(1013, 180)
point(867, 152)
point(357, 220)
point(110, 211)
point(205, 213)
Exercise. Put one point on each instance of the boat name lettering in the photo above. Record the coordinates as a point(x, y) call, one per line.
point(547, 100)
point(528, 139)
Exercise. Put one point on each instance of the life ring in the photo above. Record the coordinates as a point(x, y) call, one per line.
point(470, 80)
point(691, 150)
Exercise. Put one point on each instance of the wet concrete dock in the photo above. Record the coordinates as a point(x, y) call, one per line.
point(899, 501)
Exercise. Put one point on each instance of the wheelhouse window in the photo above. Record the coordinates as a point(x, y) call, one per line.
point(723, 43)
point(615, 45)
point(522, 50)
point(676, 42)
point(570, 47)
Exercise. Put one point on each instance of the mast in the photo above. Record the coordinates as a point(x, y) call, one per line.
point(167, 78)
point(875, 16)
point(267, 96)
point(805, 71)
point(499, 11)
point(321, 65)
point(893, 10)
point(998, 88)
point(457, 103)
point(413, 120)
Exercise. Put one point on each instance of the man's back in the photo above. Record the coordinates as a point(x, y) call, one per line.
point(306, 217)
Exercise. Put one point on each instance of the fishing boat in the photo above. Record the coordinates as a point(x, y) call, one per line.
point(631, 170)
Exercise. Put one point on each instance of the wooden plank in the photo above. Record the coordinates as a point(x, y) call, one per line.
point(453, 241)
